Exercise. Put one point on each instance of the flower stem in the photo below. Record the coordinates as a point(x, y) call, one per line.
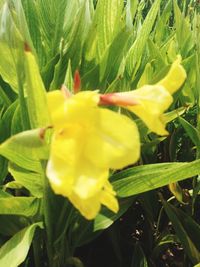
point(47, 217)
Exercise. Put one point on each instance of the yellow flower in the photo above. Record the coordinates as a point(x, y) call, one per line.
point(88, 141)
point(174, 78)
point(150, 101)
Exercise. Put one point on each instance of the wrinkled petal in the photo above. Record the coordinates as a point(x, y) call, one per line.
point(67, 143)
point(82, 109)
point(150, 101)
point(71, 109)
point(83, 179)
point(89, 207)
point(153, 101)
point(174, 78)
point(87, 141)
point(88, 179)
point(64, 155)
point(67, 167)
point(115, 144)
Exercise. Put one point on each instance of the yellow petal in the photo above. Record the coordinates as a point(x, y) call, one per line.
point(153, 101)
point(87, 98)
point(55, 101)
point(86, 142)
point(67, 167)
point(60, 176)
point(114, 143)
point(81, 109)
point(71, 109)
point(108, 198)
point(64, 154)
point(89, 179)
point(89, 208)
point(67, 143)
point(83, 178)
point(174, 78)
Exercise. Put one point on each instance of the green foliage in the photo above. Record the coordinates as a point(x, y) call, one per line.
point(14, 251)
point(144, 178)
point(187, 231)
point(116, 46)
point(136, 51)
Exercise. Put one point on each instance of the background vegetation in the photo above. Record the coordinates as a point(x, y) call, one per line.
point(116, 46)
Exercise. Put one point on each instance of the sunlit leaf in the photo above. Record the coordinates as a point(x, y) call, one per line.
point(140, 179)
point(15, 250)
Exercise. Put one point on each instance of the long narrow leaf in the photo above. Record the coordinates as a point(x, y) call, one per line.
point(14, 252)
point(36, 94)
point(134, 55)
point(181, 231)
point(144, 178)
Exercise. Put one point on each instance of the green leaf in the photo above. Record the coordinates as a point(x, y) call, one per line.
point(131, 9)
point(163, 243)
point(51, 14)
point(32, 19)
point(140, 179)
point(25, 149)
point(78, 34)
point(146, 75)
point(183, 30)
point(191, 131)
point(20, 22)
point(11, 224)
point(134, 55)
point(172, 115)
point(139, 259)
point(24, 206)
point(187, 230)
point(58, 75)
point(11, 47)
point(5, 125)
point(4, 194)
point(6, 102)
point(162, 28)
point(110, 62)
point(15, 250)
point(36, 94)
point(106, 218)
point(87, 231)
point(69, 82)
point(13, 185)
point(71, 12)
point(16, 126)
point(2, 2)
point(30, 180)
point(108, 14)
